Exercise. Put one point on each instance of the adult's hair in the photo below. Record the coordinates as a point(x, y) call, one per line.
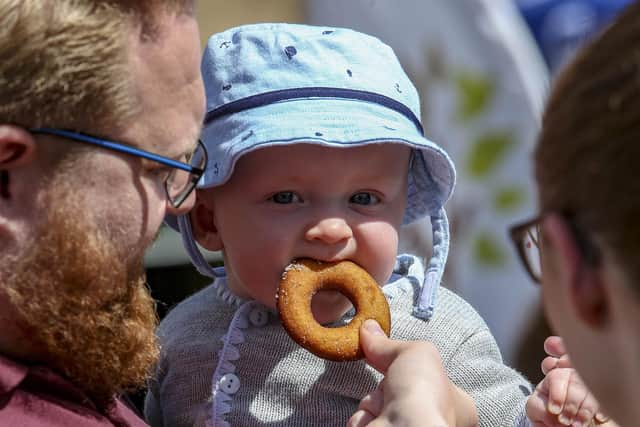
point(65, 64)
point(586, 161)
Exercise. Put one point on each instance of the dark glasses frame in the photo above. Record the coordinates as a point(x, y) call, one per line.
point(518, 232)
point(175, 201)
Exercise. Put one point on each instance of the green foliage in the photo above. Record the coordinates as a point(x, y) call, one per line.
point(487, 252)
point(507, 199)
point(487, 152)
point(475, 92)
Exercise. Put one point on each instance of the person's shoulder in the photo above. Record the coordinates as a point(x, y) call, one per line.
point(405, 287)
point(451, 305)
point(123, 412)
point(55, 410)
point(453, 321)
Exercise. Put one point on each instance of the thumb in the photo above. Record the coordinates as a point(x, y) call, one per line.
point(379, 350)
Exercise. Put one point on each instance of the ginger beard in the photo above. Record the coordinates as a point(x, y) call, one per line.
point(90, 312)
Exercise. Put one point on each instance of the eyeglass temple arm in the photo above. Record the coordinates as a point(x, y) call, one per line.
point(118, 147)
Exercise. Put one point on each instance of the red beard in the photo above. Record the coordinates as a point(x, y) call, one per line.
point(87, 308)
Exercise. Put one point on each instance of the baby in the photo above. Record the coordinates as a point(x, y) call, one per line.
point(316, 150)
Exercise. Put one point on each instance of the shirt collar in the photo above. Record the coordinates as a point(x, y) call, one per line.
point(14, 373)
point(11, 374)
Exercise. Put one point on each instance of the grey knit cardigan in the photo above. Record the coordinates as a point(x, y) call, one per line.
point(228, 362)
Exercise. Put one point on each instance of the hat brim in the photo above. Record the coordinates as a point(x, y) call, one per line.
point(335, 123)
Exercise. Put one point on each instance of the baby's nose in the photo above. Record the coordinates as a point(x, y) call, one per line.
point(329, 230)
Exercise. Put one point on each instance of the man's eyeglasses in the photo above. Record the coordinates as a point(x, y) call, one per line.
point(179, 183)
point(527, 238)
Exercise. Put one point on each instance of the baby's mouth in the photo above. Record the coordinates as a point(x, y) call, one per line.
point(325, 303)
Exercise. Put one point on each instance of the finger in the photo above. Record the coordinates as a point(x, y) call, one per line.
point(588, 410)
point(557, 383)
point(537, 413)
point(360, 418)
point(373, 402)
point(602, 418)
point(551, 362)
point(548, 364)
point(577, 399)
point(554, 346)
point(379, 350)
point(536, 407)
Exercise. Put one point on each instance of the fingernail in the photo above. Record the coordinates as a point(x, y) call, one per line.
point(576, 424)
point(554, 408)
point(373, 327)
point(564, 420)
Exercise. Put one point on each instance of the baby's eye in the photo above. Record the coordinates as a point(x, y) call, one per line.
point(285, 197)
point(364, 198)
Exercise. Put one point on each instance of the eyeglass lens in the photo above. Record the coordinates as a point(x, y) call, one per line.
point(531, 241)
point(180, 183)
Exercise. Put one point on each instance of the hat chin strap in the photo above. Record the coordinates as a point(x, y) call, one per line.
point(189, 243)
point(427, 299)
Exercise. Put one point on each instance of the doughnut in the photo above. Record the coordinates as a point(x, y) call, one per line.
point(302, 279)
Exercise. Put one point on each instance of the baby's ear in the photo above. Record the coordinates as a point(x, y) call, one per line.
point(203, 223)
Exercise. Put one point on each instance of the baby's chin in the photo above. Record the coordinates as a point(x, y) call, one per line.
point(329, 306)
point(326, 306)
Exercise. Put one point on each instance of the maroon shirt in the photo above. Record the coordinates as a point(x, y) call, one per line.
point(37, 396)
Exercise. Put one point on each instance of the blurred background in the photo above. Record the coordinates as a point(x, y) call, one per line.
point(483, 69)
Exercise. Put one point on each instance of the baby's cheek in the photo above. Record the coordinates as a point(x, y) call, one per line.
point(377, 249)
point(269, 289)
point(381, 267)
point(385, 261)
point(385, 273)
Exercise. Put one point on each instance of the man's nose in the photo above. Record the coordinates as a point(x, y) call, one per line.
point(329, 230)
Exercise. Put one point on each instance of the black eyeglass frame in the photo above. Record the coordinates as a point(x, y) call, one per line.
point(137, 152)
point(518, 232)
point(588, 249)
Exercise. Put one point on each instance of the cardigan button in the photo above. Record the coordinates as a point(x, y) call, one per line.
point(259, 317)
point(229, 383)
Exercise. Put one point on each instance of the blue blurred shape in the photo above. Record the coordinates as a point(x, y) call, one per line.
point(560, 27)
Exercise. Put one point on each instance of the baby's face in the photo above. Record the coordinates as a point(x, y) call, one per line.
point(305, 200)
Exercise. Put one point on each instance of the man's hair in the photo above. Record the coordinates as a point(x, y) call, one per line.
point(64, 63)
point(586, 159)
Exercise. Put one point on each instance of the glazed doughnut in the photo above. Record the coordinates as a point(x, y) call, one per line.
point(302, 279)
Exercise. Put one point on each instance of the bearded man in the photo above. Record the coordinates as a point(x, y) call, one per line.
point(101, 103)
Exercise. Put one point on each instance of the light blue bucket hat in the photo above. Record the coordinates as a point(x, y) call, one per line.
point(279, 84)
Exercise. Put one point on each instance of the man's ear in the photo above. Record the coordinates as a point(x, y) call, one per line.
point(583, 282)
point(17, 146)
point(203, 223)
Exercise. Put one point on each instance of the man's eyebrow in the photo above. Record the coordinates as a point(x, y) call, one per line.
point(187, 152)
point(180, 157)
point(193, 148)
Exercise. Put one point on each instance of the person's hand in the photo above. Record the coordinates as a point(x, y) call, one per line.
point(415, 391)
point(561, 399)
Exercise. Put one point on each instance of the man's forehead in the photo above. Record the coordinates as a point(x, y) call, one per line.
point(166, 77)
